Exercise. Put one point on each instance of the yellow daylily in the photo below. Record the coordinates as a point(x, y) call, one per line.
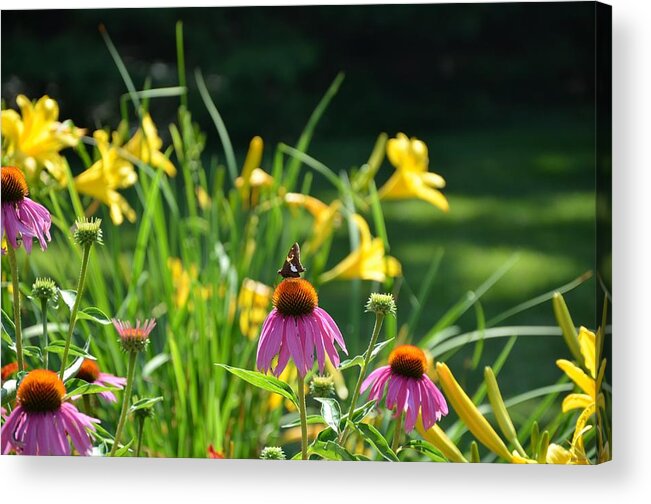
point(412, 178)
point(586, 382)
point(326, 217)
point(145, 145)
point(557, 454)
point(184, 281)
point(253, 177)
point(33, 139)
point(104, 177)
point(368, 261)
point(253, 303)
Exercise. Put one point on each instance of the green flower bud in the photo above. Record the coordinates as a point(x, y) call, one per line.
point(86, 231)
point(272, 453)
point(322, 386)
point(381, 303)
point(44, 289)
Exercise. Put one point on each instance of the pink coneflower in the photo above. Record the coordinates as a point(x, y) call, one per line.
point(22, 218)
point(297, 327)
point(41, 422)
point(90, 372)
point(410, 390)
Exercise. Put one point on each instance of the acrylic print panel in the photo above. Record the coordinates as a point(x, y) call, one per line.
point(354, 233)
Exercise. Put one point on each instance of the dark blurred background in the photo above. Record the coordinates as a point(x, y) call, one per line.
point(502, 93)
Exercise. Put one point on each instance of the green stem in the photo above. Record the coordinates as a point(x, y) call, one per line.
point(75, 307)
point(379, 318)
point(397, 434)
point(141, 425)
point(87, 406)
point(303, 414)
point(11, 253)
point(126, 399)
point(45, 338)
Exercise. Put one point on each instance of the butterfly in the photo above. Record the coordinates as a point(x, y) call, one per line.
point(292, 268)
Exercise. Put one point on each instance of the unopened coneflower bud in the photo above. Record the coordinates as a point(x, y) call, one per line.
point(44, 289)
point(134, 339)
point(86, 231)
point(143, 413)
point(272, 453)
point(381, 303)
point(322, 386)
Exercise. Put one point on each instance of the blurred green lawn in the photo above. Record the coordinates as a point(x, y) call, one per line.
point(525, 190)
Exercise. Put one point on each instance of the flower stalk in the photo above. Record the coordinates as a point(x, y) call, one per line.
point(75, 307)
point(303, 415)
point(125, 401)
point(379, 318)
point(11, 253)
point(397, 434)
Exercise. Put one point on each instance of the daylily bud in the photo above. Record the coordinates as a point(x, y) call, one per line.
point(468, 412)
point(500, 411)
point(436, 436)
point(542, 448)
point(564, 320)
point(474, 453)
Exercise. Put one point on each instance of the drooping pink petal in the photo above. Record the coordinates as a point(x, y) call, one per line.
point(330, 323)
point(373, 377)
point(8, 429)
point(413, 404)
point(295, 346)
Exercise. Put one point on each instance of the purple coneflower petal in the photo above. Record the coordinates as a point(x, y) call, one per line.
point(413, 403)
point(295, 346)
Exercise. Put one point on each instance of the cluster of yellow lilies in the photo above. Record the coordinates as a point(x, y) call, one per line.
point(33, 141)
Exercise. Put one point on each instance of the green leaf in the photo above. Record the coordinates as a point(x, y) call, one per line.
point(95, 314)
point(71, 372)
point(358, 360)
point(373, 436)
point(121, 452)
point(152, 365)
point(360, 413)
point(58, 347)
point(8, 328)
point(88, 388)
point(330, 450)
point(263, 381)
point(69, 297)
point(425, 448)
point(310, 419)
point(331, 412)
point(146, 402)
point(9, 390)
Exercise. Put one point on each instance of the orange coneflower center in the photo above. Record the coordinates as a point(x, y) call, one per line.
point(8, 370)
point(408, 360)
point(89, 371)
point(41, 391)
point(14, 185)
point(295, 296)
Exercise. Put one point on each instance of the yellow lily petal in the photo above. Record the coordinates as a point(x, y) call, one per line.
point(253, 303)
point(102, 179)
point(556, 454)
point(146, 144)
point(468, 412)
point(578, 376)
point(587, 343)
point(519, 459)
point(32, 140)
point(437, 437)
point(367, 262)
point(407, 154)
point(574, 401)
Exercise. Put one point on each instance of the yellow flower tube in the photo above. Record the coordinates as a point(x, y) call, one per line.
point(437, 437)
point(499, 409)
point(468, 412)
